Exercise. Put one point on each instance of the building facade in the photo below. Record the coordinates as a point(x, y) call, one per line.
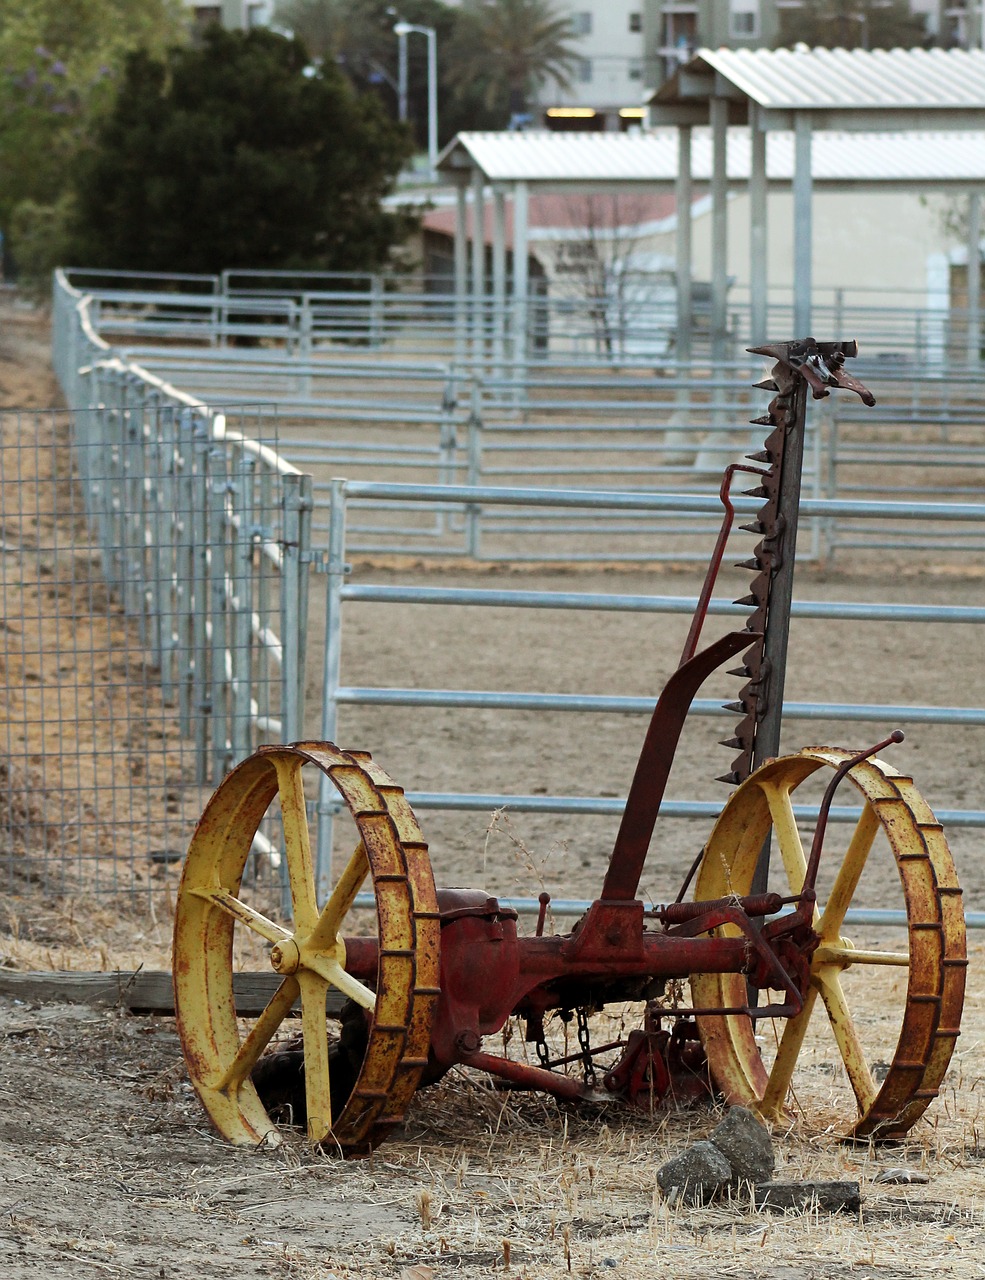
point(235, 15)
point(628, 47)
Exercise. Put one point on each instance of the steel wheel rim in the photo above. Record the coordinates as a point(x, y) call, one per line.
point(392, 854)
point(936, 959)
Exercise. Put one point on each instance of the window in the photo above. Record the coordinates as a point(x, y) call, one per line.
point(744, 19)
point(636, 68)
point(585, 71)
point(636, 22)
point(581, 23)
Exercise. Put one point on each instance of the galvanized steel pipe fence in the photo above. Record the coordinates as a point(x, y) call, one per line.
point(155, 576)
point(358, 407)
point(207, 539)
point(629, 322)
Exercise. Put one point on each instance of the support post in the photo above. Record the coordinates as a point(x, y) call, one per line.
point(478, 266)
point(521, 284)
point(461, 272)
point(432, 38)
point(401, 76)
point(803, 195)
point(719, 230)
point(758, 263)
point(499, 278)
point(684, 192)
point(974, 279)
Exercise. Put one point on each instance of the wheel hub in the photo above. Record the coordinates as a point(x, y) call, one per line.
point(285, 957)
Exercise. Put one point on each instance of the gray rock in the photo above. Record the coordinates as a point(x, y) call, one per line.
point(745, 1142)
point(695, 1175)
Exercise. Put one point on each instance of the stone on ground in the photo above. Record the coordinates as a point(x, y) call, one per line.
point(745, 1142)
point(695, 1175)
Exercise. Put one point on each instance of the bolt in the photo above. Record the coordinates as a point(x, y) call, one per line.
point(285, 956)
point(467, 1041)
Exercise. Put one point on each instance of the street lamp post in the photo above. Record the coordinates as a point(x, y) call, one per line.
point(402, 30)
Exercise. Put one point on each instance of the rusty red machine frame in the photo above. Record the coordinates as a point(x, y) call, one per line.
point(445, 970)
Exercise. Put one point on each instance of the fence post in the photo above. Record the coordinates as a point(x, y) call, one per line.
point(336, 570)
point(218, 607)
point(184, 569)
point(292, 693)
point(447, 445)
point(200, 705)
point(244, 536)
point(473, 513)
point(376, 311)
point(165, 543)
point(305, 346)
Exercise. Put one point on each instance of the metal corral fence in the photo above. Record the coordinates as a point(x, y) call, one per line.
point(156, 583)
point(338, 694)
point(340, 408)
point(630, 321)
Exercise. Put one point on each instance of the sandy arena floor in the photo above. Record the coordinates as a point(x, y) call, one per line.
point(108, 1166)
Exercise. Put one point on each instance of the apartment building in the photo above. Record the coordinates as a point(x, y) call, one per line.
point(236, 15)
point(630, 46)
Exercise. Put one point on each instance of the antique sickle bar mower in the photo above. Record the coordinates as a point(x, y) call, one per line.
point(444, 969)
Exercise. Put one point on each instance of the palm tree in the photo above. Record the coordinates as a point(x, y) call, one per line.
point(507, 49)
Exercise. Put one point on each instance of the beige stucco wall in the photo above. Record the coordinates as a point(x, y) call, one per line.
point(867, 243)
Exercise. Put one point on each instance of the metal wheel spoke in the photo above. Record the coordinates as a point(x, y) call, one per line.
point(261, 1033)
point(841, 957)
point(297, 843)
point(791, 1042)
point(340, 903)
point(239, 910)
point(331, 971)
point(787, 835)
point(849, 873)
point(316, 1079)
point(846, 1036)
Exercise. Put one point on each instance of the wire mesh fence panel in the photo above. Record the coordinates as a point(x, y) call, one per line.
point(143, 637)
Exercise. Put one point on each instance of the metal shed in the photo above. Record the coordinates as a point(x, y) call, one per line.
point(673, 160)
point(802, 91)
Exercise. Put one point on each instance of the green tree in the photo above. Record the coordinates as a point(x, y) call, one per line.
point(504, 50)
point(238, 153)
point(853, 24)
point(59, 61)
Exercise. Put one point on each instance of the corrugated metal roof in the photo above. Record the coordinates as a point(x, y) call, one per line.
point(543, 156)
point(848, 79)
point(600, 158)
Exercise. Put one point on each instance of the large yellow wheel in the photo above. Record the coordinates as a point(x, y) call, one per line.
point(767, 1065)
point(222, 1050)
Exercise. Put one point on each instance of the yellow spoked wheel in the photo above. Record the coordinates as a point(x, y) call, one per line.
point(222, 1050)
point(758, 1064)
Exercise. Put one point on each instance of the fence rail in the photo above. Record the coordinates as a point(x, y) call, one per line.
point(197, 548)
point(630, 322)
point(337, 694)
point(157, 554)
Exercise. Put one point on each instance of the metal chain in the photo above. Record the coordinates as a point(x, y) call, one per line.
point(585, 1045)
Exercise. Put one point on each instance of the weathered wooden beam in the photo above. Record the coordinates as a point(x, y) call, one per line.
point(142, 991)
point(829, 1197)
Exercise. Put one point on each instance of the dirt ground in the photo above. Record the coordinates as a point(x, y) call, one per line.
point(108, 1166)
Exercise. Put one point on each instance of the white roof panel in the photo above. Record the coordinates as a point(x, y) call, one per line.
point(585, 159)
point(849, 79)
